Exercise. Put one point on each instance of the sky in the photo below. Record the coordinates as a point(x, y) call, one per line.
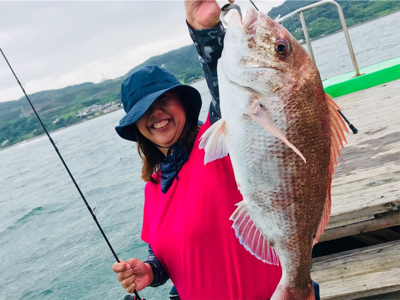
point(54, 44)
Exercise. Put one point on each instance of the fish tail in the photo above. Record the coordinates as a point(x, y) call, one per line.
point(284, 292)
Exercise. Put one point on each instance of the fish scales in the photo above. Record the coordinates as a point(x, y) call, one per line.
point(282, 133)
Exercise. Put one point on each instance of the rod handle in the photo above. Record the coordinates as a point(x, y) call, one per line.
point(355, 130)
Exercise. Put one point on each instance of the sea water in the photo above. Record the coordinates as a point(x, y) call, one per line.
point(50, 247)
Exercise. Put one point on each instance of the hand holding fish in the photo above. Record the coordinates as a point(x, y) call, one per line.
point(133, 274)
point(202, 14)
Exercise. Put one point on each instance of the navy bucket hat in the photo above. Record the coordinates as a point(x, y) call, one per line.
point(141, 88)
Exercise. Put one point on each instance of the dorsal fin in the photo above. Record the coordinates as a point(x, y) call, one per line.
point(338, 127)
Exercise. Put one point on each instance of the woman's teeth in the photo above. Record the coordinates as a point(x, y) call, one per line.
point(161, 124)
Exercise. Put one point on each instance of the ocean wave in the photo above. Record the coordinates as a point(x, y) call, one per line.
point(37, 211)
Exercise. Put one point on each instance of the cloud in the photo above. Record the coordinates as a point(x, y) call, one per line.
point(53, 44)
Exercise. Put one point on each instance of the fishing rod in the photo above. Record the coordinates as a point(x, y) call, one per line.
point(254, 5)
point(355, 130)
point(137, 297)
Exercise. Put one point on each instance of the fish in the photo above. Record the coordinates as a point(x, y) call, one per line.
point(282, 133)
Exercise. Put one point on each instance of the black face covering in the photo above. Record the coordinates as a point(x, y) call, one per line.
point(171, 166)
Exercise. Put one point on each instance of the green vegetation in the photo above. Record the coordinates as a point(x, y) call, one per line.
point(57, 108)
point(60, 108)
point(183, 62)
point(324, 19)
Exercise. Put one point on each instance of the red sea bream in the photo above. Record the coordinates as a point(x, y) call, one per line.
point(282, 133)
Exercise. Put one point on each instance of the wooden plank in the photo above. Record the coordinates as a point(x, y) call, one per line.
point(362, 286)
point(333, 225)
point(371, 146)
point(372, 95)
point(386, 296)
point(377, 237)
point(358, 273)
point(353, 182)
point(385, 171)
point(371, 201)
point(378, 222)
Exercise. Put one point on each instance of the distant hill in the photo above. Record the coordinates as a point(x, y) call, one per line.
point(183, 62)
point(60, 108)
point(325, 20)
point(17, 120)
point(66, 106)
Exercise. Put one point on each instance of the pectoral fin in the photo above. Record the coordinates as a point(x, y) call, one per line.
point(260, 115)
point(214, 142)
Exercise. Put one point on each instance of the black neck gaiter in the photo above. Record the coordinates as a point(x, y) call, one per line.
point(171, 166)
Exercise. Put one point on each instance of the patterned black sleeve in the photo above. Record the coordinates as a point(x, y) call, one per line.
point(209, 44)
point(159, 275)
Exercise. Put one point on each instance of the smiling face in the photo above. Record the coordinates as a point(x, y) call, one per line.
point(164, 121)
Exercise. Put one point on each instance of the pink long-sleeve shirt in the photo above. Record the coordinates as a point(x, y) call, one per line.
point(191, 235)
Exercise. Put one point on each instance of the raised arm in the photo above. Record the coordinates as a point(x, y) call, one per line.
point(207, 34)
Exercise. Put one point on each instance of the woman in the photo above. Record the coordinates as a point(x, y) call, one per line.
point(187, 205)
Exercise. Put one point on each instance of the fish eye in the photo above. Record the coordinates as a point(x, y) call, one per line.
point(282, 47)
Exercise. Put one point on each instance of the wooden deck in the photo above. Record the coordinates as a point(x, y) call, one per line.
point(358, 273)
point(366, 184)
point(365, 198)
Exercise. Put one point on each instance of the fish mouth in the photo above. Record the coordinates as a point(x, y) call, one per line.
point(249, 24)
point(250, 21)
point(247, 59)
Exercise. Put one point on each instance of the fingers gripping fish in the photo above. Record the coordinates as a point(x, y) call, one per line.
point(282, 133)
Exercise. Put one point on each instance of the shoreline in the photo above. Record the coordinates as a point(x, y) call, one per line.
point(349, 27)
point(79, 122)
point(55, 130)
point(191, 83)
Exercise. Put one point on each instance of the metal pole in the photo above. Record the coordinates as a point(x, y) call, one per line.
point(347, 36)
point(342, 21)
point(303, 24)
